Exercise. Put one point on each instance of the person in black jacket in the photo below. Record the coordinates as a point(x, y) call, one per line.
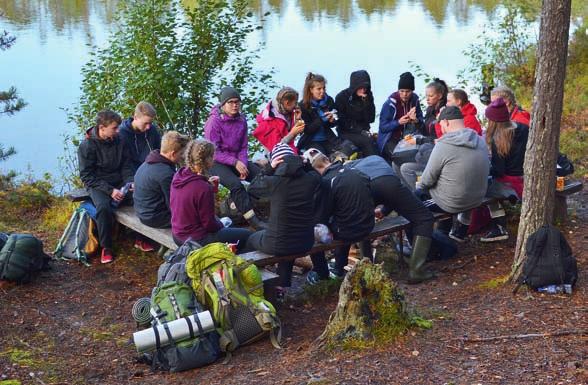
point(356, 110)
point(104, 169)
point(140, 134)
point(153, 181)
point(291, 224)
point(319, 115)
point(345, 205)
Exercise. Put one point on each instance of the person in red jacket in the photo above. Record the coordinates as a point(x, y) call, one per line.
point(459, 98)
point(517, 114)
point(280, 122)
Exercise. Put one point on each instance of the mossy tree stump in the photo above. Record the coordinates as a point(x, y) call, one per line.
point(371, 309)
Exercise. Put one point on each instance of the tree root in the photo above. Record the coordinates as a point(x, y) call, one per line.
point(525, 336)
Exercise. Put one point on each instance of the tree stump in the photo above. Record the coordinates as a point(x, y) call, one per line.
point(371, 309)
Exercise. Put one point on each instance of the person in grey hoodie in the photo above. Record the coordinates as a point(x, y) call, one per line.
point(456, 175)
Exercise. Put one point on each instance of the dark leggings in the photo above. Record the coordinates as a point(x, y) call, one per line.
point(229, 177)
point(364, 142)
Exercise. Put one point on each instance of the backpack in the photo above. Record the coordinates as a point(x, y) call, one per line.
point(232, 289)
point(564, 166)
point(3, 239)
point(174, 267)
point(21, 257)
point(169, 302)
point(79, 241)
point(549, 259)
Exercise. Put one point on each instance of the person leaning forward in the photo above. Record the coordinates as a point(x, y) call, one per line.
point(104, 168)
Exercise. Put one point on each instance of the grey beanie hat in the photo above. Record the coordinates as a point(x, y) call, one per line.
point(228, 93)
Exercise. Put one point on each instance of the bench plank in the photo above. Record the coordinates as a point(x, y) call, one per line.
point(126, 216)
point(78, 195)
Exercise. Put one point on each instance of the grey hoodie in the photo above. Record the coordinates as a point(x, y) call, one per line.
point(457, 171)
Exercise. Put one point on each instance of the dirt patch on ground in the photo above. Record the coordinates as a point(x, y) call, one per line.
point(73, 324)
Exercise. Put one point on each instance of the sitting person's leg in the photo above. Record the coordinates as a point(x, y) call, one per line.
point(408, 173)
point(363, 142)
point(497, 230)
point(104, 222)
point(341, 259)
point(459, 231)
point(320, 268)
point(237, 235)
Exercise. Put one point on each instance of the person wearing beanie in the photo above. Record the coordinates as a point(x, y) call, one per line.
point(507, 142)
point(356, 110)
point(226, 128)
point(292, 186)
point(400, 114)
point(280, 121)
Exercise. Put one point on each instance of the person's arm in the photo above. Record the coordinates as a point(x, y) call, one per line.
point(128, 168)
point(369, 108)
point(341, 103)
point(388, 121)
point(313, 122)
point(165, 186)
point(205, 207)
point(156, 145)
point(87, 164)
point(215, 136)
point(433, 169)
point(243, 151)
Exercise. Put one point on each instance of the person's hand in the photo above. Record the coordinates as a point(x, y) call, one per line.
point(298, 127)
point(330, 116)
point(117, 195)
point(277, 161)
point(404, 120)
point(378, 213)
point(412, 114)
point(242, 169)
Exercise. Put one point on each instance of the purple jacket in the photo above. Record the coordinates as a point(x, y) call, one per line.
point(229, 135)
point(192, 206)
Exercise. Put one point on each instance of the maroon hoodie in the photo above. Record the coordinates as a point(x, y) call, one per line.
point(192, 206)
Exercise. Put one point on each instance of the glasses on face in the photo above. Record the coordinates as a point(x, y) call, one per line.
point(234, 102)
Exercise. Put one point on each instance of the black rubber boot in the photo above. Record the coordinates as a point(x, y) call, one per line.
point(416, 265)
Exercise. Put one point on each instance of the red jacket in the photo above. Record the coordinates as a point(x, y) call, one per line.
point(470, 120)
point(271, 128)
point(521, 116)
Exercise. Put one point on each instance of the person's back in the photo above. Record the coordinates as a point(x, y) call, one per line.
point(511, 164)
point(457, 172)
point(291, 223)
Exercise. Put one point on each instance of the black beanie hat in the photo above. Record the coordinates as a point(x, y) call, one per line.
point(228, 93)
point(406, 81)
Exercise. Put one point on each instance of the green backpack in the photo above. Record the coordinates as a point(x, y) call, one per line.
point(169, 302)
point(21, 257)
point(232, 289)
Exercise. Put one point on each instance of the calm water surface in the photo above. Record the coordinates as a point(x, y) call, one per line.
point(329, 37)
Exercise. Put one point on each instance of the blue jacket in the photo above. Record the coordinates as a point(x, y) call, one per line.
point(139, 144)
point(392, 110)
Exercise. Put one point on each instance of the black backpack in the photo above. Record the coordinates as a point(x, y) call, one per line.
point(549, 260)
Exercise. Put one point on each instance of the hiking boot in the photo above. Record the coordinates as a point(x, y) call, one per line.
point(107, 256)
point(459, 232)
point(257, 223)
point(416, 265)
point(144, 245)
point(313, 278)
point(497, 233)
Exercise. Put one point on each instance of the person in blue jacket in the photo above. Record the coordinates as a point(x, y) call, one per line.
point(401, 115)
point(139, 134)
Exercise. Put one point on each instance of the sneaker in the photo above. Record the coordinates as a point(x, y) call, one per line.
point(144, 245)
point(107, 256)
point(313, 278)
point(459, 232)
point(498, 233)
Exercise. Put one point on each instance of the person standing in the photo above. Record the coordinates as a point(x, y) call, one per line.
point(226, 128)
point(140, 134)
point(105, 168)
point(356, 110)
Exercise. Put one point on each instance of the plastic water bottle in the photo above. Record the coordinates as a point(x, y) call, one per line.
point(125, 189)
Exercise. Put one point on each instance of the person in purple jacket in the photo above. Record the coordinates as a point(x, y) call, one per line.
point(226, 128)
point(192, 201)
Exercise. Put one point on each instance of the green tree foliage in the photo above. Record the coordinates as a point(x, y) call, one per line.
point(177, 59)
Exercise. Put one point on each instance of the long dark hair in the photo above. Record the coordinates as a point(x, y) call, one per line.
point(309, 82)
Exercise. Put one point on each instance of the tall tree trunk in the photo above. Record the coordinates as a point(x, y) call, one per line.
point(543, 144)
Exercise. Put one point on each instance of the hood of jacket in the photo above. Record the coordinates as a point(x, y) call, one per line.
point(185, 176)
point(469, 109)
point(359, 79)
point(291, 166)
point(217, 114)
point(92, 133)
point(461, 138)
point(156, 157)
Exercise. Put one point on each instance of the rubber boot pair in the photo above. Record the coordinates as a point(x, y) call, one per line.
point(416, 264)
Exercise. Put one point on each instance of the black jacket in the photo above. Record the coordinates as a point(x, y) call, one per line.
point(313, 123)
point(346, 203)
point(104, 164)
point(512, 164)
point(355, 113)
point(292, 207)
point(139, 144)
point(152, 185)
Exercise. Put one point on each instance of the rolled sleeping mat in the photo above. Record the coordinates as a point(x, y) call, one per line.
point(180, 329)
point(140, 311)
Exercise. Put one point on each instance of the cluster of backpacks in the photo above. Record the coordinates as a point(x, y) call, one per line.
point(194, 279)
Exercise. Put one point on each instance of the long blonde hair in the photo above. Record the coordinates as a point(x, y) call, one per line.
point(196, 155)
point(502, 135)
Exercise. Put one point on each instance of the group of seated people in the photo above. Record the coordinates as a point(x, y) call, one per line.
point(454, 169)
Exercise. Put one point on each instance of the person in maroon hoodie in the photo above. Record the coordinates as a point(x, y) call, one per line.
point(226, 128)
point(459, 98)
point(192, 201)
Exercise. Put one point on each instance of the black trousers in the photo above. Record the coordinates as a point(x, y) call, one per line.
point(225, 235)
point(162, 221)
point(229, 177)
point(364, 142)
point(105, 215)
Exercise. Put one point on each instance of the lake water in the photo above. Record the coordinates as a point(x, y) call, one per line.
point(329, 37)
